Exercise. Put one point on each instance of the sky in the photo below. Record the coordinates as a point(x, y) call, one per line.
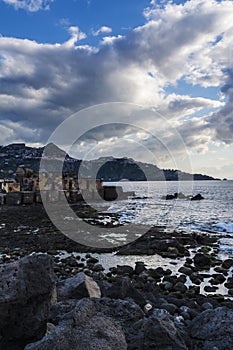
point(162, 69)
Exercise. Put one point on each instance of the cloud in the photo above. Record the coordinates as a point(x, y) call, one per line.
point(42, 84)
point(29, 5)
point(222, 121)
point(76, 35)
point(102, 30)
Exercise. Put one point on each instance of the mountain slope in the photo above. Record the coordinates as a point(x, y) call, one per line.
point(108, 168)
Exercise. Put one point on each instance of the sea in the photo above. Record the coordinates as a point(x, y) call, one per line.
point(213, 214)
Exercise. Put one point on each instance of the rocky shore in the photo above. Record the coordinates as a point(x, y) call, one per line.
point(49, 301)
point(125, 308)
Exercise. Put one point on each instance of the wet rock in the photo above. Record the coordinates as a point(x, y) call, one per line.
point(217, 278)
point(169, 197)
point(213, 329)
point(186, 270)
point(124, 270)
point(27, 289)
point(197, 197)
point(92, 260)
point(180, 287)
point(227, 263)
point(202, 261)
point(196, 278)
point(97, 268)
point(221, 270)
point(228, 285)
point(139, 267)
point(77, 287)
point(210, 289)
point(182, 278)
point(189, 261)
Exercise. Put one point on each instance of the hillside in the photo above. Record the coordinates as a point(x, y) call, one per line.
point(108, 168)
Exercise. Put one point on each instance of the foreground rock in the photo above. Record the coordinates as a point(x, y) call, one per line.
point(27, 288)
point(85, 327)
point(78, 287)
point(213, 329)
point(140, 309)
point(112, 324)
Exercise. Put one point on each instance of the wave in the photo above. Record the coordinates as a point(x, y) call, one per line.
point(224, 227)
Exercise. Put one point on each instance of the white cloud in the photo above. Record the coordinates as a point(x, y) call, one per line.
point(76, 35)
point(102, 30)
point(42, 84)
point(29, 5)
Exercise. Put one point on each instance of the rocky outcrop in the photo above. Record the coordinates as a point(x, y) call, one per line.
point(78, 287)
point(86, 327)
point(139, 309)
point(197, 197)
point(213, 329)
point(112, 324)
point(27, 289)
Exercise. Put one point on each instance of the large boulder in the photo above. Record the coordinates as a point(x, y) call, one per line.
point(157, 332)
point(213, 329)
point(85, 327)
point(78, 287)
point(202, 261)
point(27, 289)
point(111, 324)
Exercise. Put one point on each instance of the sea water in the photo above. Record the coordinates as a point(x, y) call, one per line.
point(212, 214)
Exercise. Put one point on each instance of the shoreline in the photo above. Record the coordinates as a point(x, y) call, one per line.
point(161, 304)
point(36, 234)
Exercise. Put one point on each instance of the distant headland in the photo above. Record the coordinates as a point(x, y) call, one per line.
point(108, 168)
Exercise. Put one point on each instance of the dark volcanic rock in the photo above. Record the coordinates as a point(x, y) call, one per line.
point(202, 261)
point(93, 324)
point(227, 263)
point(157, 241)
point(112, 324)
point(198, 197)
point(78, 287)
point(139, 267)
point(84, 328)
point(186, 270)
point(213, 329)
point(210, 289)
point(27, 287)
point(157, 332)
point(122, 288)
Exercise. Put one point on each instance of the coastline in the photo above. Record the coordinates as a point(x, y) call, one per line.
point(183, 283)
